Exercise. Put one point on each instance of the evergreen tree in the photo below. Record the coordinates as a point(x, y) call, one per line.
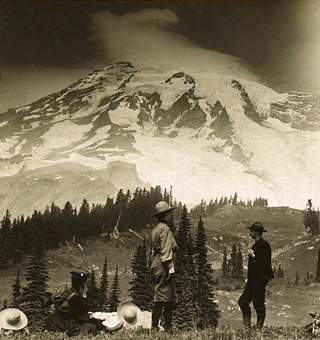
point(317, 279)
point(224, 268)
point(233, 262)
point(16, 291)
point(4, 304)
point(68, 222)
point(141, 290)
point(297, 279)
point(311, 219)
point(5, 240)
point(207, 309)
point(239, 265)
point(114, 298)
point(17, 240)
point(103, 288)
point(34, 295)
point(185, 311)
point(93, 291)
point(84, 220)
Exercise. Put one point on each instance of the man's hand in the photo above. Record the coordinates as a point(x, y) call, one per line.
point(251, 253)
point(170, 275)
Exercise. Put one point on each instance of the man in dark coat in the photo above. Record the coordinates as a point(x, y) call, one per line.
point(259, 274)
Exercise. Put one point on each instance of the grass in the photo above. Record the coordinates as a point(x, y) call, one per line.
point(220, 333)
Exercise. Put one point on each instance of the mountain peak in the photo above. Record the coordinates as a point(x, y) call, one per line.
point(222, 135)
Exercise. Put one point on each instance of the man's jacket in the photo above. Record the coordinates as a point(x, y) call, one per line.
point(260, 265)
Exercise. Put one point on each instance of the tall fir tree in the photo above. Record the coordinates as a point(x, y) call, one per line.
point(5, 240)
point(233, 261)
point(207, 308)
point(83, 220)
point(185, 310)
point(239, 265)
point(35, 294)
point(141, 290)
point(93, 292)
point(103, 287)
point(311, 219)
point(4, 303)
point(16, 291)
point(224, 268)
point(114, 298)
point(317, 278)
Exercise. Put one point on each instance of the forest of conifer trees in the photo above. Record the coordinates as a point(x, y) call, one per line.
point(196, 304)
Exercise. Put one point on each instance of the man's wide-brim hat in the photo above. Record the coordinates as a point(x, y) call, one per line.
point(162, 207)
point(13, 319)
point(257, 226)
point(80, 272)
point(130, 314)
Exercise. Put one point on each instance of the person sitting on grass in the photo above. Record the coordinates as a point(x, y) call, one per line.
point(71, 314)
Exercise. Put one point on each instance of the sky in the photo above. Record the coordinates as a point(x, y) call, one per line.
point(47, 45)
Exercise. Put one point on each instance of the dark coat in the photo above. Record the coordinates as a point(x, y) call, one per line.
point(70, 315)
point(260, 265)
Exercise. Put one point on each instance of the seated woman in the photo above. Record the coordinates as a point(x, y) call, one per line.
point(70, 314)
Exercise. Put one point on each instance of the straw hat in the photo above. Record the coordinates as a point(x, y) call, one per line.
point(13, 319)
point(130, 315)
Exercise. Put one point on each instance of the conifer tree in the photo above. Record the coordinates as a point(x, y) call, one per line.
point(239, 265)
point(317, 279)
point(224, 268)
point(141, 289)
point(207, 309)
point(93, 291)
point(311, 219)
point(103, 288)
point(185, 311)
point(233, 261)
point(114, 298)
point(84, 220)
point(4, 304)
point(16, 291)
point(34, 295)
point(17, 240)
point(5, 240)
point(297, 279)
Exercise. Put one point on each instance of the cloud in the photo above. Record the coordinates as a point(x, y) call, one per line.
point(149, 36)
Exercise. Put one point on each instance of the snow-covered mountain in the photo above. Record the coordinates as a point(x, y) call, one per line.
point(122, 127)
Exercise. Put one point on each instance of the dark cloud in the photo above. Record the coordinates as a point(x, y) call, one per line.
point(278, 40)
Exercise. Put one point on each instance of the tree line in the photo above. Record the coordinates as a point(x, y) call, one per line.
point(206, 209)
point(59, 225)
point(196, 306)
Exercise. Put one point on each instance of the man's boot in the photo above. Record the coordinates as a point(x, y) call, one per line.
point(156, 314)
point(247, 321)
point(260, 320)
point(168, 311)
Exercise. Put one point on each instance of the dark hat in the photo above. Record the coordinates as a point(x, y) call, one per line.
point(257, 226)
point(162, 207)
point(80, 272)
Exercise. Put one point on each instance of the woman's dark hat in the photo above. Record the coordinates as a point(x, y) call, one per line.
point(80, 272)
point(162, 207)
point(257, 226)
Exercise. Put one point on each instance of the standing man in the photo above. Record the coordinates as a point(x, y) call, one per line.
point(163, 266)
point(259, 274)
